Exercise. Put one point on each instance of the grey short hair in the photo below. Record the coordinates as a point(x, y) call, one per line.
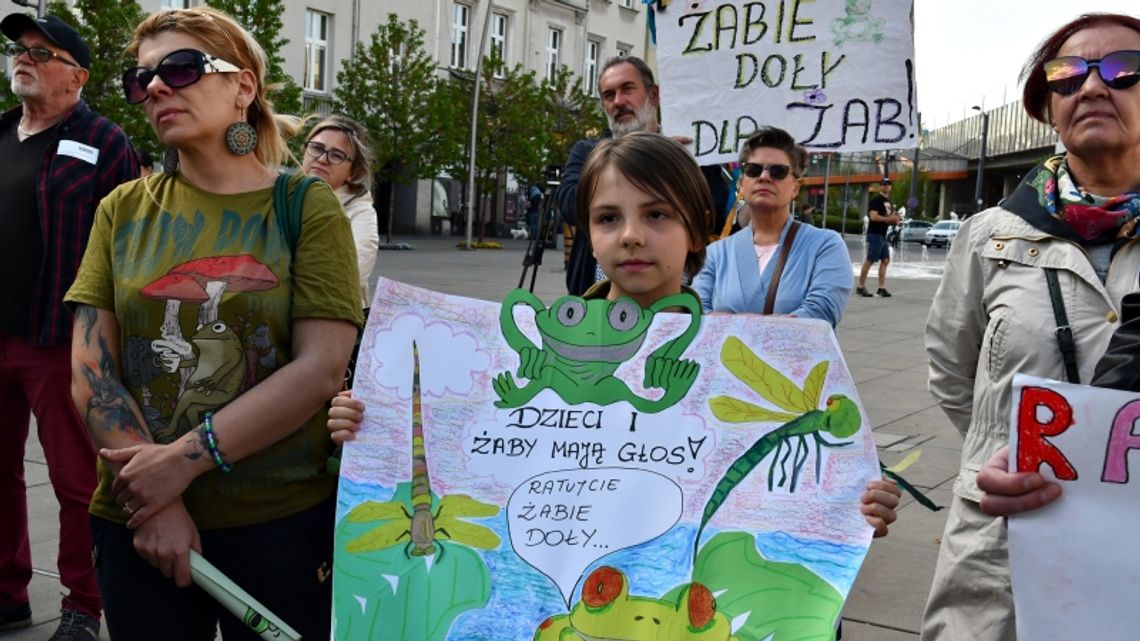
point(639, 64)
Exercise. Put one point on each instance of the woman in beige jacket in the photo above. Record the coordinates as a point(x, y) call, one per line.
point(993, 316)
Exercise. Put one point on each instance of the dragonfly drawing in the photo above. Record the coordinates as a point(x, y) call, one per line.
point(801, 417)
point(421, 528)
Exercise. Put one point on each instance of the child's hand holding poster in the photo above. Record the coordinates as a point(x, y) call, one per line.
point(1073, 574)
point(590, 469)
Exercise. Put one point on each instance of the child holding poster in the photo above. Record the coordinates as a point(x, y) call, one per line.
point(647, 205)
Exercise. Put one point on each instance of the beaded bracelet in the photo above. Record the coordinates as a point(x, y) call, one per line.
point(212, 442)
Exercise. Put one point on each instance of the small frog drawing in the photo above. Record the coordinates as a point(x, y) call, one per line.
point(583, 344)
point(858, 25)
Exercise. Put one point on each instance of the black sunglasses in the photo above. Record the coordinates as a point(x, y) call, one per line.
point(775, 171)
point(178, 69)
point(37, 54)
point(1118, 70)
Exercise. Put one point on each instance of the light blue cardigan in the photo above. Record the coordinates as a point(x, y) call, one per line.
point(816, 282)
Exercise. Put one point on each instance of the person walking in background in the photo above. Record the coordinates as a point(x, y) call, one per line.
point(202, 362)
point(57, 160)
point(881, 216)
point(1059, 253)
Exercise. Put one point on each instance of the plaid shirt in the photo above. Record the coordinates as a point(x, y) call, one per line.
point(68, 190)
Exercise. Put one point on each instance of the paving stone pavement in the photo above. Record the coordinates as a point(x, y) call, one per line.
point(882, 343)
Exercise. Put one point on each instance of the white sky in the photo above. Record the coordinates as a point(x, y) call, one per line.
point(970, 51)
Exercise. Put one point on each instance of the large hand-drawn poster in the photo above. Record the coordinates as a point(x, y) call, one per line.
point(1073, 571)
point(838, 76)
point(592, 470)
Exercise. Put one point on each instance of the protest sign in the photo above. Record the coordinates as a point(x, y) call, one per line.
point(594, 470)
point(838, 76)
point(1069, 561)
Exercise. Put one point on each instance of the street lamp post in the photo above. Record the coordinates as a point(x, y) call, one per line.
point(981, 159)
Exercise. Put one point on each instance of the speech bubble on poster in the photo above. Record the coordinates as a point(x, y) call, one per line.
point(561, 522)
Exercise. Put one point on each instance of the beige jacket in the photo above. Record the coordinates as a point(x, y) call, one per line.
point(992, 318)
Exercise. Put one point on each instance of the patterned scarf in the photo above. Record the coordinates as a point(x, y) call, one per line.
point(1093, 218)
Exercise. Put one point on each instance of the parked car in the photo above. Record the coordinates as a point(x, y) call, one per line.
point(914, 231)
point(941, 234)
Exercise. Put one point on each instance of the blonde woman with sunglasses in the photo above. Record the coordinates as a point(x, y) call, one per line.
point(775, 265)
point(1071, 221)
point(210, 332)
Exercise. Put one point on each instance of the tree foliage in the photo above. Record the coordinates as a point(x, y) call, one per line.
point(262, 18)
point(106, 26)
point(391, 87)
point(572, 114)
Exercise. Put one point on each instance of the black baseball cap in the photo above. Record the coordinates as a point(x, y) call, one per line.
point(885, 181)
point(57, 31)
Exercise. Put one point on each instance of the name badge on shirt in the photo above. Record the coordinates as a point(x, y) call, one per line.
point(78, 150)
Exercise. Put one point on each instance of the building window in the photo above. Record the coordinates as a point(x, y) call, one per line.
point(553, 52)
point(628, 4)
point(316, 50)
point(593, 53)
point(175, 4)
point(460, 18)
point(623, 51)
point(499, 40)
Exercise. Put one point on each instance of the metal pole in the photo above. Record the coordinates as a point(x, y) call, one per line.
point(846, 200)
point(981, 162)
point(471, 206)
point(914, 169)
point(826, 184)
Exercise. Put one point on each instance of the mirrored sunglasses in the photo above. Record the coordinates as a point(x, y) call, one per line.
point(178, 69)
point(775, 171)
point(1118, 70)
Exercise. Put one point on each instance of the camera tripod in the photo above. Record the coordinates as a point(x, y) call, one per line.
point(545, 236)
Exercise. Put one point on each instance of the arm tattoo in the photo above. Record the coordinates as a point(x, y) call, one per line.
point(198, 446)
point(110, 405)
point(86, 316)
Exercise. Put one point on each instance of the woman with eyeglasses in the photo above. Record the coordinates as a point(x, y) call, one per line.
point(775, 265)
point(1034, 285)
point(211, 329)
point(338, 152)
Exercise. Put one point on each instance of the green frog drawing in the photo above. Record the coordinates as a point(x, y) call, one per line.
point(583, 344)
point(607, 611)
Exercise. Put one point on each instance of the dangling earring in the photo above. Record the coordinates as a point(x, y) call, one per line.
point(241, 137)
point(170, 162)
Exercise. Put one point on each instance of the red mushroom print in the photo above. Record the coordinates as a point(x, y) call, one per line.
point(175, 289)
point(219, 274)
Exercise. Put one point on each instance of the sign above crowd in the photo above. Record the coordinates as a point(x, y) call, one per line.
point(837, 76)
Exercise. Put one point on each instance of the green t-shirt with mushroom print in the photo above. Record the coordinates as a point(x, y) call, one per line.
point(205, 287)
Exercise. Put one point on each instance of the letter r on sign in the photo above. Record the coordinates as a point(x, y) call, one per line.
point(1032, 448)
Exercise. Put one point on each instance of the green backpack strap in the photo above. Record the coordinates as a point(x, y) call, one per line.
point(288, 210)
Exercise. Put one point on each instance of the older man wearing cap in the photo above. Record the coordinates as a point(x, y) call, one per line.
point(881, 215)
point(57, 161)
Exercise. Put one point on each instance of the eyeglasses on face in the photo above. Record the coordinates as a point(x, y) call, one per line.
point(315, 150)
point(1118, 70)
point(178, 69)
point(37, 54)
point(775, 171)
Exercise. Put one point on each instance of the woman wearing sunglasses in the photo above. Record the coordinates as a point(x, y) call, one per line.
point(775, 264)
point(207, 342)
point(337, 151)
point(1066, 234)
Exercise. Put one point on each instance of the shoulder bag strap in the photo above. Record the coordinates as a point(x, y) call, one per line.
point(288, 211)
point(1064, 332)
point(785, 249)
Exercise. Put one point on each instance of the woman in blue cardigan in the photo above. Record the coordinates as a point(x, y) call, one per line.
point(810, 265)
